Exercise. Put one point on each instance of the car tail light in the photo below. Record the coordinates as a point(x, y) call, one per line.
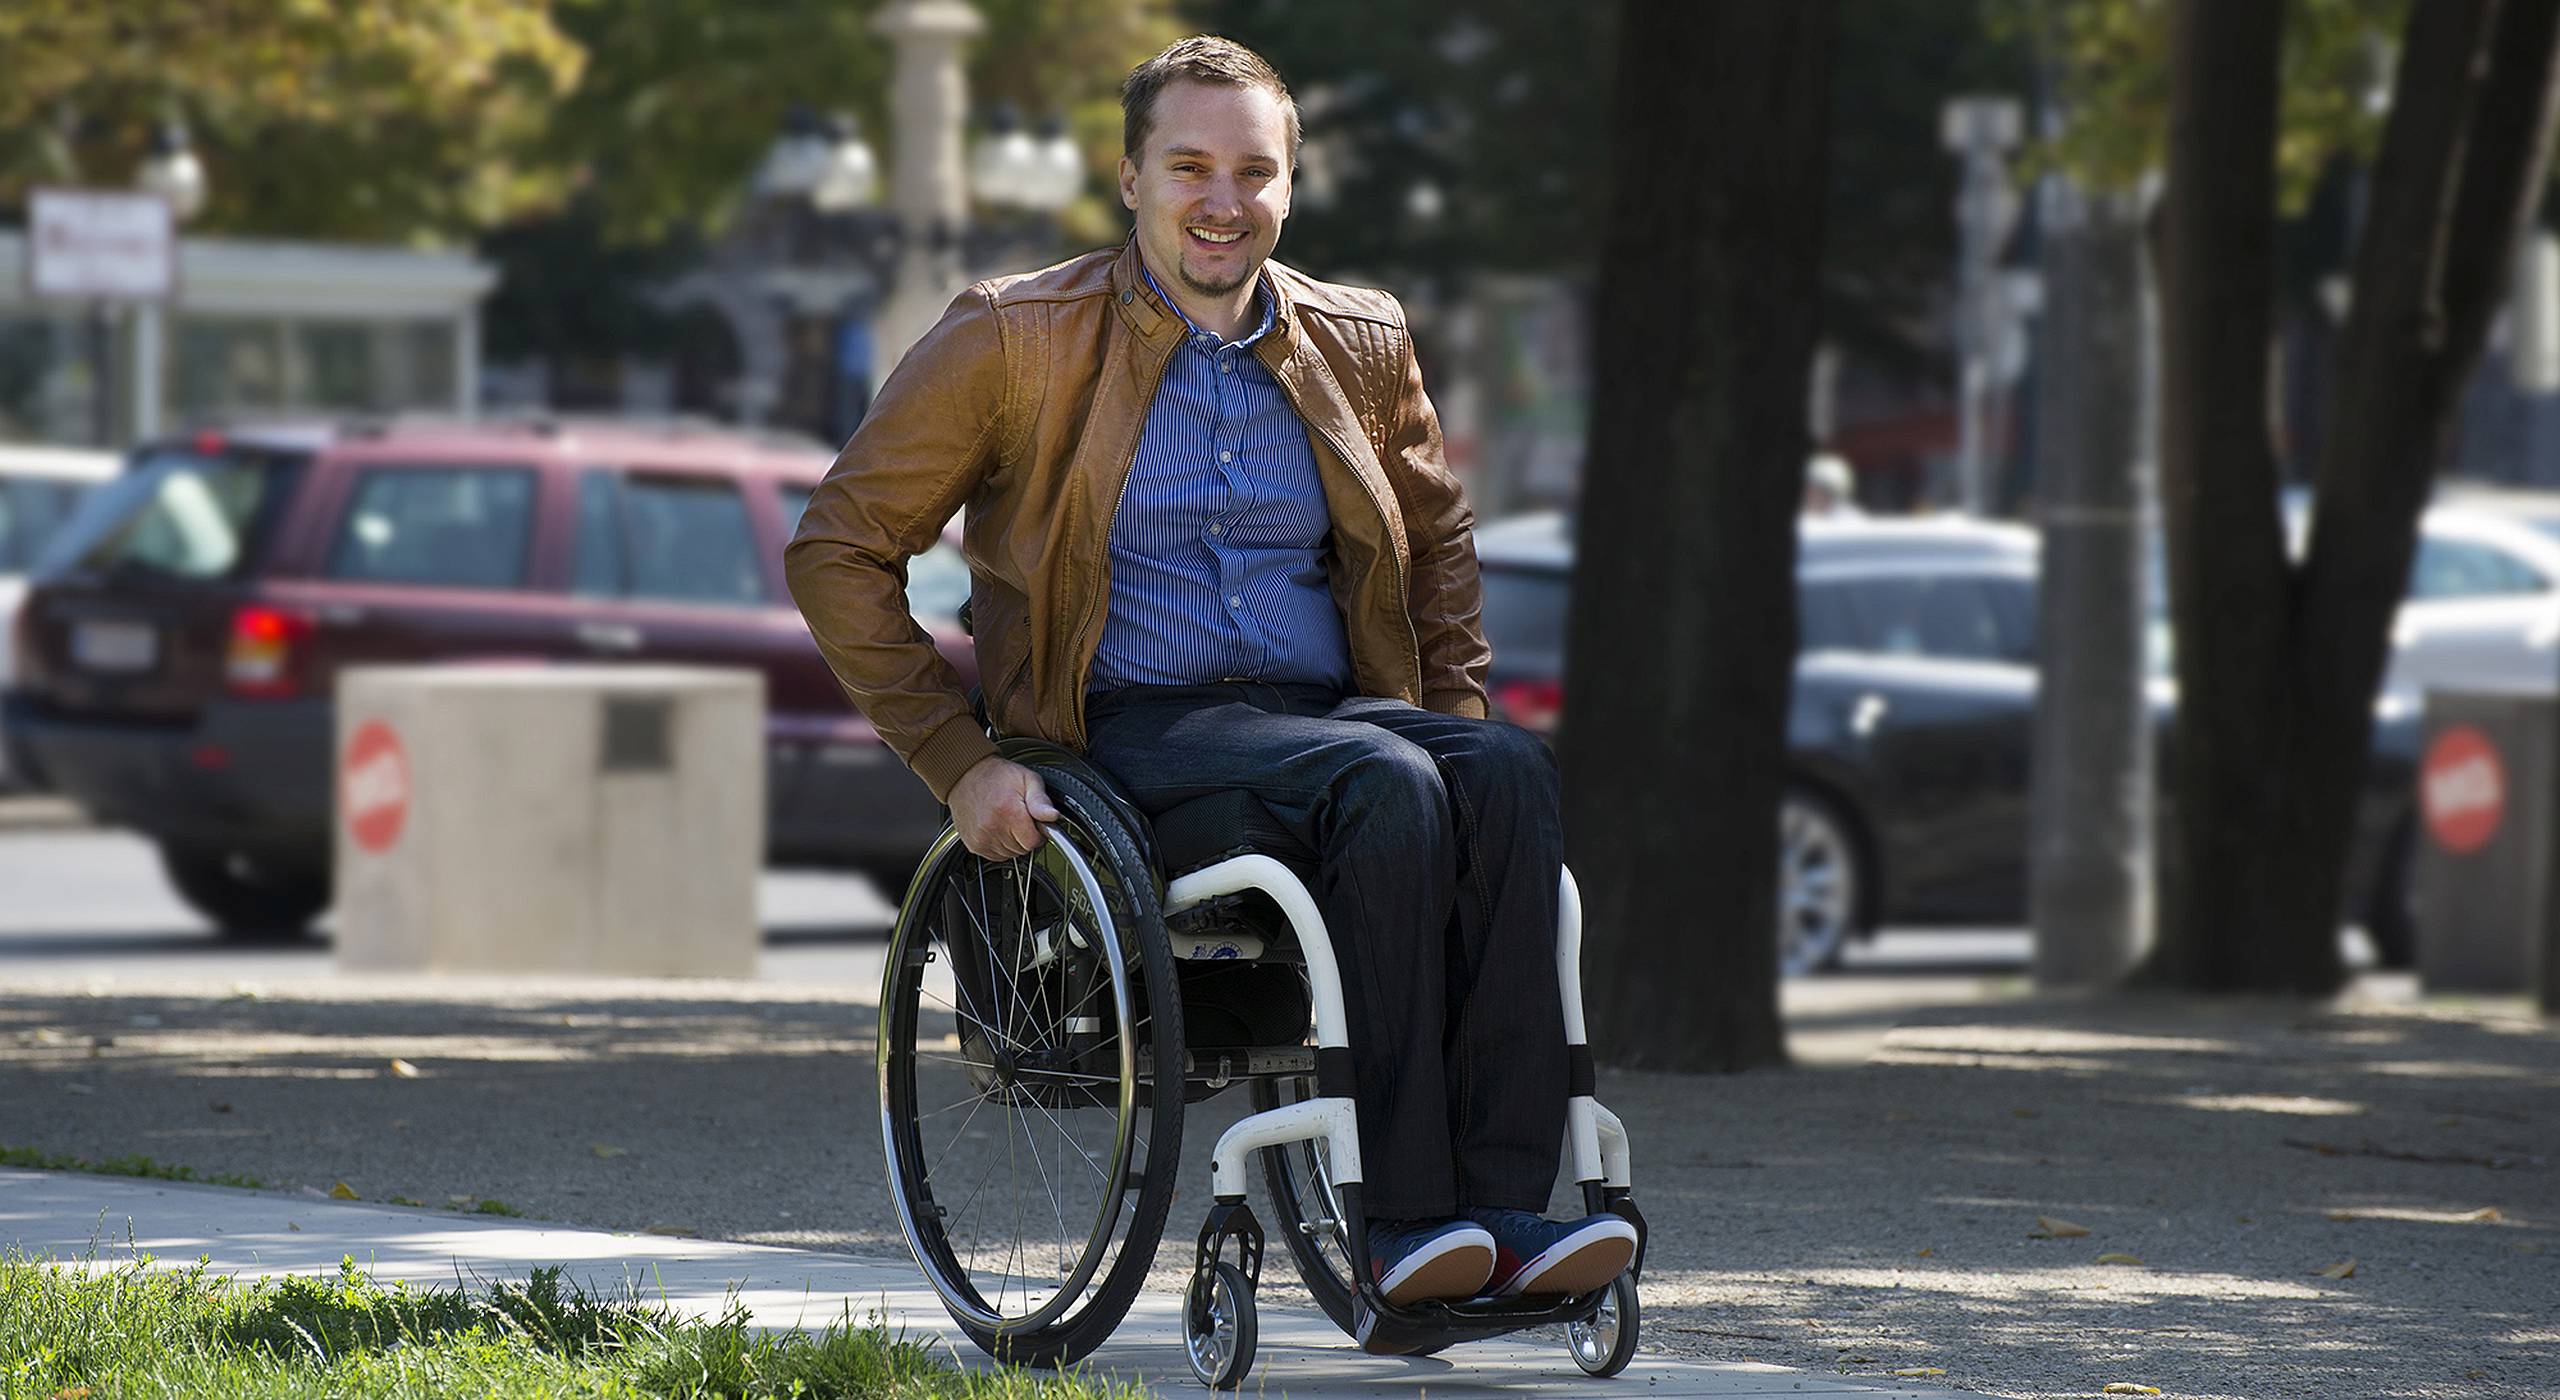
point(265, 652)
point(1532, 705)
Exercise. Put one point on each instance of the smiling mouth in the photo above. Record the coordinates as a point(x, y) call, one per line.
point(1215, 238)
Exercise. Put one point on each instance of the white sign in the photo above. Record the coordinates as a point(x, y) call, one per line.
point(93, 244)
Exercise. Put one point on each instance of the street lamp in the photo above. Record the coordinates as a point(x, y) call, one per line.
point(172, 172)
point(851, 177)
point(798, 159)
point(1058, 172)
point(1005, 170)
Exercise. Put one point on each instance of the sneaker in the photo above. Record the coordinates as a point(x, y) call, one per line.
point(1418, 1259)
point(1538, 1256)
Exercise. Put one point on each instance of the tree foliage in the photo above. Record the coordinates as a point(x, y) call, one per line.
point(2332, 69)
point(387, 119)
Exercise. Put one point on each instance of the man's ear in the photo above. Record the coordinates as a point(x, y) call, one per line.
point(1129, 184)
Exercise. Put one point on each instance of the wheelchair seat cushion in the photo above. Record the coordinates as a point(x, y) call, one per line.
point(1208, 829)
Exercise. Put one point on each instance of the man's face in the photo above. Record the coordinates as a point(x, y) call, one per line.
point(1215, 167)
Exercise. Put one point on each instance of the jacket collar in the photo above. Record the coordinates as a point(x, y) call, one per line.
point(1157, 323)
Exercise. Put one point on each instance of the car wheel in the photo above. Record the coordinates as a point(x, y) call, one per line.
point(249, 900)
point(1820, 882)
point(2391, 920)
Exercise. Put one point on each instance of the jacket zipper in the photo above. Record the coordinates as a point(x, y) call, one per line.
point(1386, 536)
point(1084, 652)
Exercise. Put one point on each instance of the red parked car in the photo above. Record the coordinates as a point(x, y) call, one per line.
point(178, 649)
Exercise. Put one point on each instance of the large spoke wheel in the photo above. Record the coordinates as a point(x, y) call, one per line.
point(1304, 1208)
point(1819, 883)
point(1025, 1007)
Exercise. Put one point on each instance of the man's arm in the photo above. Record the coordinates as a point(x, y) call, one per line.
point(1447, 597)
point(928, 440)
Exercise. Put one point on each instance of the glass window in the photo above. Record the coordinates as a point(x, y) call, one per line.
point(595, 566)
point(1950, 618)
point(2448, 568)
point(457, 527)
point(179, 512)
point(31, 509)
point(937, 584)
point(794, 500)
point(687, 540)
point(333, 366)
point(1525, 613)
point(225, 365)
point(1828, 620)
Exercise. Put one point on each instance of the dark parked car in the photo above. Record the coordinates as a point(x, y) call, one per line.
point(178, 650)
point(1909, 728)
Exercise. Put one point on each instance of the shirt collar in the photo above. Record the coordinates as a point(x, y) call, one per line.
point(1261, 297)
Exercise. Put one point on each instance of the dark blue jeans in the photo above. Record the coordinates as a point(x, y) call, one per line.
point(1442, 844)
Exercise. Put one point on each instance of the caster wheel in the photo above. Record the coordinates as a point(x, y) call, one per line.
point(1217, 1326)
point(1604, 1345)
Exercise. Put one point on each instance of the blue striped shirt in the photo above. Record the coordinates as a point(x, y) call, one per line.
point(1218, 548)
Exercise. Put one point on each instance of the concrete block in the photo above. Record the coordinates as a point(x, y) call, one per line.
point(556, 819)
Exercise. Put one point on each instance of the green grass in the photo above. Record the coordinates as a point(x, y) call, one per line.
point(34, 1160)
point(131, 1331)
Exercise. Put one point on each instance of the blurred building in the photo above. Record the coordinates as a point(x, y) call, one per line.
point(256, 329)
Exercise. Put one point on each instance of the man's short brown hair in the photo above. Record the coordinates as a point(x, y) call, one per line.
point(1202, 58)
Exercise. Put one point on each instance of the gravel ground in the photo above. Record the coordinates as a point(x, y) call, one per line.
point(1875, 1208)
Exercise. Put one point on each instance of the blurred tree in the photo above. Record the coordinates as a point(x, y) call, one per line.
point(1683, 632)
point(681, 98)
point(397, 120)
point(2332, 65)
point(2277, 662)
point(1502, 106)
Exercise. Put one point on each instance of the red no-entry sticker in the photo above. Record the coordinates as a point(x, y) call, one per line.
point(373, 787)
point(2463, 788)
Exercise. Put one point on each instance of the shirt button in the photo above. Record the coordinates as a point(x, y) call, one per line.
point(1225, 368)
point(1216, 529)
point(1226, 456)
point(1235, 600)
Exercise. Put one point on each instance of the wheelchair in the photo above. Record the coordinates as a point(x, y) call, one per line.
point(1044, 1022)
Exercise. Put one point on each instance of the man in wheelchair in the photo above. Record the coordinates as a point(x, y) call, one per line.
point(1215, 546)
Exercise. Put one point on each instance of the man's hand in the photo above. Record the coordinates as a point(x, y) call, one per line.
point(998, 805)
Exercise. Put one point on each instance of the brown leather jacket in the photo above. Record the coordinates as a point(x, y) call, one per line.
point(1024, 403)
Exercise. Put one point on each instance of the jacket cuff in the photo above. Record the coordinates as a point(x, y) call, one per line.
point(1456, 702)
point(949, 752)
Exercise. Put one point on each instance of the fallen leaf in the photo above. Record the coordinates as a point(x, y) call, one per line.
point(682, 1232)
point(344, 1192)
point(2026, 1113)
point(2050, 1228)
point(463, 1199)
point(291, 1226)
point(2342, 1215)
point(2475, 1374)
point(2129, 1388)
point(2119, 1259)
point(2452, 1122)
point(2242, 1220)
point(2483, 1213)
point(219, 1107)
point(605, 1149)
point(71, 1392)
point(1922, 1371)
point(403, 1069)
point(2344, 1268)
point(1929, 1253)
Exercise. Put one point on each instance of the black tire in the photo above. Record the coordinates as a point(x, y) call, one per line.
point(1822, 881)
point(1604, 1345)
point(1051, 956)
point(1218, 1328)
point(1304, 1213)
point(2391, 919)
point(249, 900)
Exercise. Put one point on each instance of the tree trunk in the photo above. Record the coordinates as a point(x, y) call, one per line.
point(2089, 795)
point(1683, 625)
point(2277, 667)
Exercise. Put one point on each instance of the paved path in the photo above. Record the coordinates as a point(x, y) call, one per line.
point(70, 1216)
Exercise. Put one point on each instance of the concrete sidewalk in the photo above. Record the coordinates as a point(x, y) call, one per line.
point(71, 1216)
